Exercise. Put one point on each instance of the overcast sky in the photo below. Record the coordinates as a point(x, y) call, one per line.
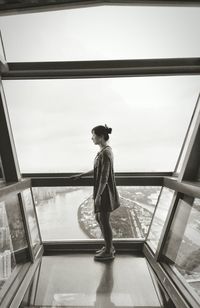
point(52, 119)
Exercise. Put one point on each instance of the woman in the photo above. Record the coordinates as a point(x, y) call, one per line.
point(105, 194)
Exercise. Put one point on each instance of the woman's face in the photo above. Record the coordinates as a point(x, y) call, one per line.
point(96, 139)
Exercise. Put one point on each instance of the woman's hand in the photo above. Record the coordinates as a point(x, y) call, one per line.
point(97, 201)
point(75, 177)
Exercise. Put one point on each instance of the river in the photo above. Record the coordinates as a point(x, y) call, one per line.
point(58, 216)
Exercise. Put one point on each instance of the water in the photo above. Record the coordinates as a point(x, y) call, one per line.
point(58, 216)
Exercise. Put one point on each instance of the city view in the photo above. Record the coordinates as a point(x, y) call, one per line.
point(69, 211)
point(7, 260)
point(131, 220)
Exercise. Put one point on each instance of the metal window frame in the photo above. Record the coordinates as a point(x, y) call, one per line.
point(102, 69)
point(25, 7)
point(187, 134)
point(8, 153)
point(33, 250)
point(192, 158)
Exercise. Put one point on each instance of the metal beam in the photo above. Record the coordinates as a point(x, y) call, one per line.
point(19, 7)
point(191, 163)
point(102, 69)
point(14, 189)
point(7, 147)
point(188, 188)
point(88, 181)
point(53, 247)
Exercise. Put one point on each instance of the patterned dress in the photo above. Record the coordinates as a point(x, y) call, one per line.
point(104, 181)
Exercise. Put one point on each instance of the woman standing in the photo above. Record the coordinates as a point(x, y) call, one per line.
point(105, 194)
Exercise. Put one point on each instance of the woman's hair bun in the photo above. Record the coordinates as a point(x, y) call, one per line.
point(108, 129)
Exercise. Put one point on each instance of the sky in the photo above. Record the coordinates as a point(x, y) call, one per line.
point(102, 32)
point(52, 119)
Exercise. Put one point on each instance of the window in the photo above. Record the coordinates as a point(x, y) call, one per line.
point(189, 134)
point(159, 218)
point(101, 33)
point(32, 219)
point(182, 249)
point(67, 212)
point(52, 121)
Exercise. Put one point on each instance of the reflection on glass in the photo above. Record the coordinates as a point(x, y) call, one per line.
point(127, 32)
point(73, 106)
point(182, 249)
point(103, 293)
point(160, 217)
point(15, 223)
point(67, 212)
point(7, 258)
point(35, 238)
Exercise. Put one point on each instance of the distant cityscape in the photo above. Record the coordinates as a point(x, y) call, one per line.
point(6, 258)
point(131, 220)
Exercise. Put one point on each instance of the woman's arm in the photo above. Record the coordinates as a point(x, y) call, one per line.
point(76, 177)
point(106, 164)
point(91, 172)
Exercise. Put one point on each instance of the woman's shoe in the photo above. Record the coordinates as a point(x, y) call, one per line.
point(104, 256)
point(100, 250)
point(104, 248)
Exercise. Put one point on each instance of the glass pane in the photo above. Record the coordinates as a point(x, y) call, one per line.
point(160, 217)
point(127, 32)
point(53, 131)
point(15, 223)
point(67, 212)
point(59, 212)
point(182, 247)
point(191, 128)
point(7, 258)
point(32, 221)
point(137, 208)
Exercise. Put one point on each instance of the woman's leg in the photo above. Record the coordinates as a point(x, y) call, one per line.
point(97, 217)
point(104, 218)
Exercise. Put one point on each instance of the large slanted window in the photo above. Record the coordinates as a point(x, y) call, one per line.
point(52, 121)
point(103, 32)
point(182, 247)
point(60, 208)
